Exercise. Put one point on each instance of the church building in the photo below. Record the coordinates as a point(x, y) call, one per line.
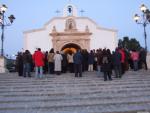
point(70, 32)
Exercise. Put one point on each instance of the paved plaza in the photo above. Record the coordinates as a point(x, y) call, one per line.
point(67, 94)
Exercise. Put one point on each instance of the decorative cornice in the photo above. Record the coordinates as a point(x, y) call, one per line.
point(70, 33)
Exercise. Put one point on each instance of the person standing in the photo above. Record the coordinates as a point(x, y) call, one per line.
point(57, 62)
point(77, 58)
point(116, 60)
point(50, 58)
point(85, 55)
point(142, 58)
point(99, 61)
point(90, 61)
point(135, 59)
point(27, 61)
point(70, 61)
point(38, 58)
point(95, 60)
point(106, 65)
point(19, 64)
point(45, 68)
point(64, 62)
point(123, 57)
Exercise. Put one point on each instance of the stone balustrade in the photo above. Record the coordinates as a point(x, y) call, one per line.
point(2, 64)
point(148, 60)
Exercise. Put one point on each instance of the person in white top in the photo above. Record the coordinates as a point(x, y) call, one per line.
point(57, 62)
point(70, 62)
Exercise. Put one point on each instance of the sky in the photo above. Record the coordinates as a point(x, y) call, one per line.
point(33, 14)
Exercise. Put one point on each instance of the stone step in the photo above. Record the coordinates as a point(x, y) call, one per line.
point(62, 92)
point(76, 101)
point(74, 96)
point(86, 108)
point(51, 86)
point(66, 83)
point(67, 94)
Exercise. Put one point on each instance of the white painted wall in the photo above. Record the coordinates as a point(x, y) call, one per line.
point(40, 38)
point(100, 38)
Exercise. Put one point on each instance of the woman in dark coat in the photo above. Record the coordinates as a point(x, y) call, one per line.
point(19, 64)
point(106, 65)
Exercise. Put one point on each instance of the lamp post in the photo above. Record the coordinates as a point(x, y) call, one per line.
point(143, 20)
point(3, 24)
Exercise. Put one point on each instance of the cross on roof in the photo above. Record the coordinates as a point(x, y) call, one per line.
point(57, 12)
point(82, 11)
point(69, 1)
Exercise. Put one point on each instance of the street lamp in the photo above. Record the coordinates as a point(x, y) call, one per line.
point(144, 20)
point(3, 24)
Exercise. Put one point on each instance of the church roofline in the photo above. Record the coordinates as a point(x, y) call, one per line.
point(62, 18)
point(97, 26)
point(34, 30)
point(44, 27)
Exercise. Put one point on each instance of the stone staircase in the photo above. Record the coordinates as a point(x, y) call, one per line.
point(67, 94)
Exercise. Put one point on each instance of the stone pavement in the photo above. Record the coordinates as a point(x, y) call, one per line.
point(67, 94)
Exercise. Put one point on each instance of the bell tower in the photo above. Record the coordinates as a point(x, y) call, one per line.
point(71, 37)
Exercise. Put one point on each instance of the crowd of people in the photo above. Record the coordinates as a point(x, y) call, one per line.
point(100, 60)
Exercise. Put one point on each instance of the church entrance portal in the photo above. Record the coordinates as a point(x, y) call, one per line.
point(70, 39)
point(70, 48)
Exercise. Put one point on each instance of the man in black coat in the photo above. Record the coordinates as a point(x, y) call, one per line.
point(116, 59)
point(27, 60)
point(64, 62)
point(143, 55)
point(77, 58)
point(19, 64)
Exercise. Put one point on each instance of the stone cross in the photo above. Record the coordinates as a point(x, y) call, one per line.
point(82, 11)
point(57, 12)
point(69, 1)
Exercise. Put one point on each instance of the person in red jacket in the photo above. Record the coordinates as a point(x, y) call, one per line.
point(121, 51)
point(38, 58)
point(135, 59)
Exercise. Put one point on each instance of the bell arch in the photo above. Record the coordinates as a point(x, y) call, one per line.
point(70, 10)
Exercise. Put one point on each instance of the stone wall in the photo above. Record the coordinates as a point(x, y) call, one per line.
point(148, 60)
point(2, 64)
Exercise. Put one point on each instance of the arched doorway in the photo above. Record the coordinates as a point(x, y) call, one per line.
point(71, 47)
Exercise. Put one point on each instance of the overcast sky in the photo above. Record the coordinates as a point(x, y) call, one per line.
point(32, 14)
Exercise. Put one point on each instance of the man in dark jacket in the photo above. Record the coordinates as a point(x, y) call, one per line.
point(64, 62)
point(27, 61)
point(91, 60)
point(143, 55)
point(77, 58)
point(116, 58)
point(19, 64)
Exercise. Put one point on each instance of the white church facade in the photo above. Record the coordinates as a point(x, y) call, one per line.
point(70, 31)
